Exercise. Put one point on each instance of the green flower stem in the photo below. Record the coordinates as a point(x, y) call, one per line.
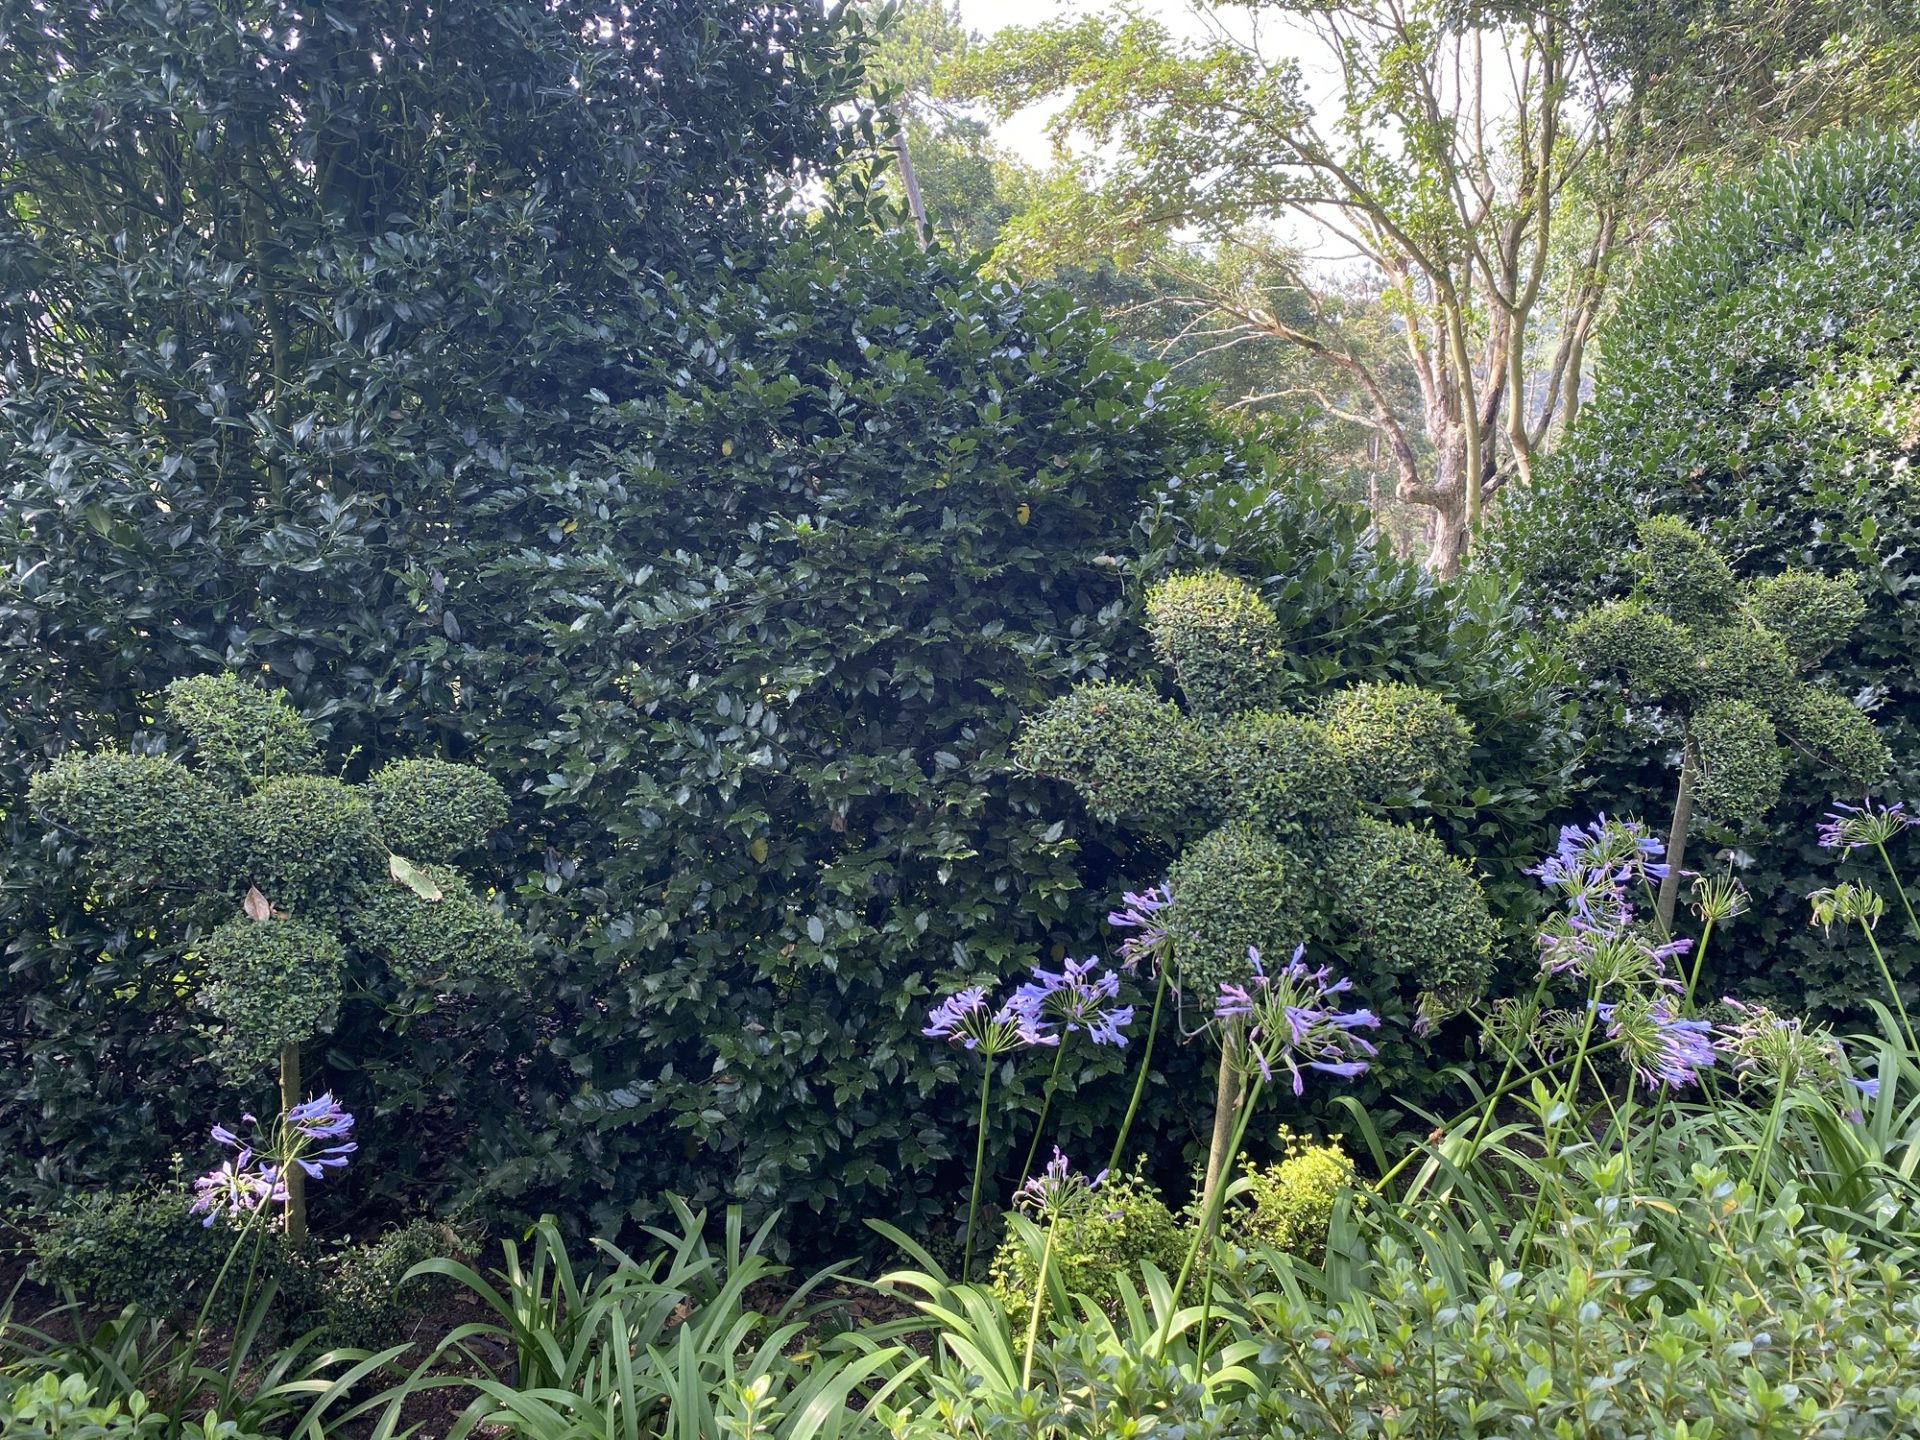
point(979, 1170)
point(1209, 1217)
point(1765, 1146)
point(1898, 889)
point(293, 1175)
point(1046, 1104)
point(1033, 1312)
point(1550, 1155)
point(1893, 991)
point(1140, 1080)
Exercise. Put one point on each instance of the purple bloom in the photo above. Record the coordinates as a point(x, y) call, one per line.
point(1057, 1191)
point(965, 1017)
point(1290, 1021)
point(1664, 1048)
point(1140, 911)
point(256, 1175)
point(1079, 999)
point(1847, 827)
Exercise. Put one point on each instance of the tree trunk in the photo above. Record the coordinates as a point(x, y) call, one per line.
point(295, 1177)
point(1677, 838)
point(1226, 1092)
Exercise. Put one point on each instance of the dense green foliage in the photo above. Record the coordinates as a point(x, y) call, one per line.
point(1092, 1254)
point(1758, 383)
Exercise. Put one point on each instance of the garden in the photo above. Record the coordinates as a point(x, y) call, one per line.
point(687, 755)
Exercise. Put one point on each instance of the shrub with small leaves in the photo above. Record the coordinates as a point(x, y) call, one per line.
point(1839, 736)
point(1411, 741)
point(1742, 662)
point(1810, 612)
point(1740, 760)
point(434, 810)
point(1126, 1226)
point(458, 942)
point(1219, 637)
point(271, 983)
point(1234, 889)
point(242, 735)
point(137, 1247)
point(1682, 575)
point(148, 822)
point(1288, 1203)
point(1131, 754)
point(1633, 644)
point(1416, 910)
point(368, 1303)
point(309, 843)
point(1284, 774)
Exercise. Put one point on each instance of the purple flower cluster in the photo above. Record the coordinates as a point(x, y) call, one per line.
point(1140, 912)
point(312, 1136)
point(1595, 937)
point(1290, 1019)
point(1057, 1191)
point(1664, 1049)
point(1078, 996)
point(966, 1018)
point(1848, 827)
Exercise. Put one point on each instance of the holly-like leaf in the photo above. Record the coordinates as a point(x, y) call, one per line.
point(256, 904)
point(413, 877)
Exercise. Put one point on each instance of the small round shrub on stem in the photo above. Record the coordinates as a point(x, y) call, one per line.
point(309, 843)
point(1219, 637)
point(1235, 890)
point(1132, 755)
point(456, 942)
point(434, 810)
point(242, 735)
point(1409, 741)
point(272, 983)
point(148, 822)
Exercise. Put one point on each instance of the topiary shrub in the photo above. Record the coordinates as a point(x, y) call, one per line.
point(135, 1247)
point(1289, 1203)
point(1757, 383)
point(304, 850)
point(1681, 642)
point(434, 810)
point(367, 1301)
point(1129, 1227)
point(243, 735)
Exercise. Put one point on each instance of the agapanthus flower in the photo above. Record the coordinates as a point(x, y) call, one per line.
point(1594, 864)
point(1611, 956)
point(1848, 827)
point(256, 1175)
point(236, 1188)
point(966, 1018)
point(1057, 1192)
point(1775, 1050)
point(1719, 897)
point(1289, 1020)
point(1078, 996)
point(1663, 1048)
point(1847, 903)
point(1140, 912)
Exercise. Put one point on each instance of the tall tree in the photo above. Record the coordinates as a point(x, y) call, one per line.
point(1490, 165)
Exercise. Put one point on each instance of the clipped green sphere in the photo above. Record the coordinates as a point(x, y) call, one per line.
point(1739, 760)
point(1810, 612)
point(148, 822)
point(1398, 741)
point(309, 844)
point(456, 942)
point(242, 735)
point(1681, 574)
point(1626, 642)
point(1221, 639)
point(271, 983)
point(433, 809)
point(1284, 776)
point(1838, 738)
point(1743, 662)
point(1237, 887)
point(1417, 911)
point(1129, 1226)
point(1132, 756)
